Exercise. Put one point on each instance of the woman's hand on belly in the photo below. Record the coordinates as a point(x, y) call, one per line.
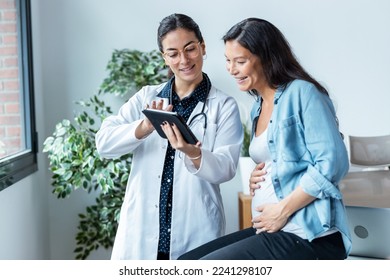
point(270, 218)
point(257, 176)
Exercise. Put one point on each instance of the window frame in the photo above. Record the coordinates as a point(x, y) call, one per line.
point(16, 167)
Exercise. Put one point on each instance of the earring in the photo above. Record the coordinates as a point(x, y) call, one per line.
point(205, 56)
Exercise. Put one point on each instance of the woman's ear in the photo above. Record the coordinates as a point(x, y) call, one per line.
point(203, 48)
point(165, 61)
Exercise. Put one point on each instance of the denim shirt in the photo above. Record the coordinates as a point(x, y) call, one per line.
point(308, 150)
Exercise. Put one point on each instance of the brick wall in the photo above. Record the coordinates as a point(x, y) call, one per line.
point(10, 99)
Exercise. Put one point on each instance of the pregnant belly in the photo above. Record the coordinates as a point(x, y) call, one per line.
point(264, 195)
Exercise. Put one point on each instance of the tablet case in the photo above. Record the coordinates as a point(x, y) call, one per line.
point(157, 117)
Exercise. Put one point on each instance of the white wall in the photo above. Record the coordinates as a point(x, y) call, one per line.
point(344, 44)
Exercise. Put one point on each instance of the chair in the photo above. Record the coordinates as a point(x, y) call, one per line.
point(370, 151)
point(367, 196)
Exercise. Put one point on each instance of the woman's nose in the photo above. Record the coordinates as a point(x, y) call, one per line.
point(231, 69)
point(183, 57)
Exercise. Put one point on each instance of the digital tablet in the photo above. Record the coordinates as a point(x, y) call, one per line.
point(157, 117)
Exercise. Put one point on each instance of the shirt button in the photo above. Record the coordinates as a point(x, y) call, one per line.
point(156, 206)
point(270, 121)
point(275, 161)
point(271, 141)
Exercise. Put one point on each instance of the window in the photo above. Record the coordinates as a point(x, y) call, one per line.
point(18, 138)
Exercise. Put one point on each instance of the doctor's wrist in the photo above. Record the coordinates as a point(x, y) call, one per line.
point(195, 156)
point(143, 130)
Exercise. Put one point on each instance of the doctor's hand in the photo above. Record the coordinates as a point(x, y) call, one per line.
point(145, 127)
point(177, 141)
point(270, 219)
point(257, 177)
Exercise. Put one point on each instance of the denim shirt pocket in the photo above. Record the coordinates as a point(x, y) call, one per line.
point(292, 141)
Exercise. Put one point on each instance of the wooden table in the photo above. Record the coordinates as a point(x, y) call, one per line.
point(244, 210)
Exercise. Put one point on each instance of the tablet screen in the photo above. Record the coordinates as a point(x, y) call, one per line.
point(157, 117)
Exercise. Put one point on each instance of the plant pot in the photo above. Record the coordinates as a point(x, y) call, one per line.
point(246, 165)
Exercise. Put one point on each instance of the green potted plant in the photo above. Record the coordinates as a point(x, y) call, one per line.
point(73, 158)
point(245, 163)
point(246, 142)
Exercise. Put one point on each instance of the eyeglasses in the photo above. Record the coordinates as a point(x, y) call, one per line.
point(191, 52)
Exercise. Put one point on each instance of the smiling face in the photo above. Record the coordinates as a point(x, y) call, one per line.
point(183, 53)
point(245, 67)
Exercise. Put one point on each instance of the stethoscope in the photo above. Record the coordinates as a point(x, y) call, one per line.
point(202, 113)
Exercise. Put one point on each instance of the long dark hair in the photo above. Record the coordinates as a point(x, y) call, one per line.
point(175, 21)
point(267, 42)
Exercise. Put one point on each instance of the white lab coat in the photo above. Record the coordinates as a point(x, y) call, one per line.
point(197, 210)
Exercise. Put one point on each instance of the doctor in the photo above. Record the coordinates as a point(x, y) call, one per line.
point(173, 202)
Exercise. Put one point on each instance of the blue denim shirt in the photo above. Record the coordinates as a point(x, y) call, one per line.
point(308, 150)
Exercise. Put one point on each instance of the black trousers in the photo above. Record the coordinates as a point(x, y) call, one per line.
point(247, 245)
